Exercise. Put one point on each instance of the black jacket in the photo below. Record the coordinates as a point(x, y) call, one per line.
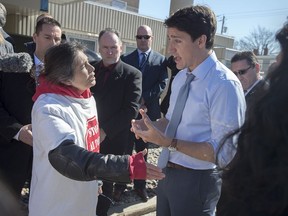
point(117, 104)
point(16, 91)
point(154, 79)
point(79, 164)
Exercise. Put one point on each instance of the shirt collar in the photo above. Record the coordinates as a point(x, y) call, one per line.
point(37, 60)
point(147, 52)
point(110, 68)
point(255, 83)
point(202, 69)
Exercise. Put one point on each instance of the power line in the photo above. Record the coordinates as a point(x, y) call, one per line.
point(256, 13)
point(259, 11)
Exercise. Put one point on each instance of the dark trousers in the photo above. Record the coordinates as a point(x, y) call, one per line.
point(104, 202)
point(188, 192)
point(116, 146)
point(16, 165)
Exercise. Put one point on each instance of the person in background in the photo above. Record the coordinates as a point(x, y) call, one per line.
point(47, 34)
point(246, 67)
point(66, 140)
point(3, 14)
point(31, 46)
point(154, 79)
point(117, 93)
point(16, 90)
point(206, 103)
point(171, 64)
point(5, 46)
point(255, 182)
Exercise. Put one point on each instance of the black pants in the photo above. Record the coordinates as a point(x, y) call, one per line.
point(104, 202)
point(16, 165)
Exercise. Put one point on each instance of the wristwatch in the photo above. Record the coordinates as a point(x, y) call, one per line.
point(173, 146)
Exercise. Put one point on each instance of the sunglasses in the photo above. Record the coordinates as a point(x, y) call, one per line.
point(241, 72)
point(146, 37)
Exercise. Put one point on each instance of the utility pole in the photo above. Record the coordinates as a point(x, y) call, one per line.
point(223, 24)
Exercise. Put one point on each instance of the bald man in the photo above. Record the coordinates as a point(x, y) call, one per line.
point(154, 79)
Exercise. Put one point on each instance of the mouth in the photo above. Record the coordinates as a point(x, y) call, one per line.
point(176, 58)
point(92, 78)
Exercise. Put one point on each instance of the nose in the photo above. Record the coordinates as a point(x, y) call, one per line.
point(110, 51)
point(171, 48)
point(91, 68)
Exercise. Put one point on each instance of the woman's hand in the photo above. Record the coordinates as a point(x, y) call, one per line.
point(152, 171)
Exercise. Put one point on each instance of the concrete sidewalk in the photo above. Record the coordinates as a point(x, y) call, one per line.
point(133, 209)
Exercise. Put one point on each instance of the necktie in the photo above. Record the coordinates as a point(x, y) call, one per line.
point(175, 119)
point(143, 61)
point(38, 69)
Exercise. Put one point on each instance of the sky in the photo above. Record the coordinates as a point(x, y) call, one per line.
point(241, 17)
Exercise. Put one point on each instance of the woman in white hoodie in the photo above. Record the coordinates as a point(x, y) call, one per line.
point(66, 139)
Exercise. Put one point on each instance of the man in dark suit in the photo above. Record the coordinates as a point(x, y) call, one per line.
point(47, 34)
point(246, 67)
point(154, 72)
point(117, 93)
point(16, 91)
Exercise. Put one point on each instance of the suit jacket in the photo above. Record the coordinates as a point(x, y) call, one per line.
point(117, 104)
point(16, 91)
point(154, 79)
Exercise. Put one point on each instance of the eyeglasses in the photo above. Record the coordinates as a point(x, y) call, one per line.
point(146, 37)
point(241, 72)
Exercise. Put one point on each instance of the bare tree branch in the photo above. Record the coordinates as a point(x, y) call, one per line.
point(261, 40)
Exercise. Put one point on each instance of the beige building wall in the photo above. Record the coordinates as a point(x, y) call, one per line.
point(84, 21)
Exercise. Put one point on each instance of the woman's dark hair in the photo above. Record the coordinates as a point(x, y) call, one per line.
point(59, 62)
point(196, 21)
point(255, 182)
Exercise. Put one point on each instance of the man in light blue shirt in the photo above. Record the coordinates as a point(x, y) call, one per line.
point(214, 107)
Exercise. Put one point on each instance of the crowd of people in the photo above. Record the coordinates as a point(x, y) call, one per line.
point(69, 125)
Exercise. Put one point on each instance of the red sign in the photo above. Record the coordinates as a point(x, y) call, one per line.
point(93, 135)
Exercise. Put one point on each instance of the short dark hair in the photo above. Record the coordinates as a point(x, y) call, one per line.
point(46, 20)
point(59, 62)
point(196, 21)
point(41, 16)
point(249, 56)
point(112, 30)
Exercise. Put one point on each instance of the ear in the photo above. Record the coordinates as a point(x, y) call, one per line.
point(121, 48)
point(202, 41)
point(34, 37)
point(257, 67)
